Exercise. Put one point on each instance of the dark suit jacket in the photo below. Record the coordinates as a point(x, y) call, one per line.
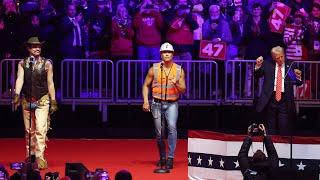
point(265, 168)
point(65, 29)
point(267, 70)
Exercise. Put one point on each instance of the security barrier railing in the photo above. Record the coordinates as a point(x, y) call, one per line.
point(8, 69)
point(96, 82)
point(242, 87)
point(201, 81)
point(87, 81)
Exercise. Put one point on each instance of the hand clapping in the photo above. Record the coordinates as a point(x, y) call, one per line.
point(259, 62)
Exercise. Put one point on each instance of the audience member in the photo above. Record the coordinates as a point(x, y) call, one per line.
point(123, 175)
point(73, 38)
point(122, 34)
point(180, 30)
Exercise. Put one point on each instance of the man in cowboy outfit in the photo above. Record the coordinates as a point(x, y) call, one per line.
point(35, 86)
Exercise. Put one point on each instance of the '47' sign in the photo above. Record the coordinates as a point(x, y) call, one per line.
point(211, 50)
point(278, 18)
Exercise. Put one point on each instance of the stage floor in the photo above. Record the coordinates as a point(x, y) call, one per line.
point(136, 155)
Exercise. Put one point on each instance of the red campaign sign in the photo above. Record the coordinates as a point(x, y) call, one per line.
point(210, 50)
point(278, 18)
point(276, 25)
point(281, 11)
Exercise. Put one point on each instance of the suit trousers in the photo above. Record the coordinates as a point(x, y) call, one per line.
point(278, 113)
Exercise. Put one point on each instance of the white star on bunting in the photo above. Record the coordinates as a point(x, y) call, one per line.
point(210, 161)
point(301, 166)
point(189, 160)
point(199, 160)
point(237, 164)
point(280, 164)
point(221, 163)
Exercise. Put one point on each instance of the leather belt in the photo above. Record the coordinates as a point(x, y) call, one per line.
point(160, 100)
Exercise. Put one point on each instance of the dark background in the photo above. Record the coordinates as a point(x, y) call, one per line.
point(129, 121)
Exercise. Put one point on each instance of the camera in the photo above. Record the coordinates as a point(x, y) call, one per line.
point(16, 165)
point(99, 174)
point(255, 130)
point(51, 176)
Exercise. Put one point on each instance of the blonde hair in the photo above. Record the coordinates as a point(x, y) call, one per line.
point(277, 50)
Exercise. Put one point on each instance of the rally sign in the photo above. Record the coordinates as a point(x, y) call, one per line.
point(278, 18)
point(210, 50)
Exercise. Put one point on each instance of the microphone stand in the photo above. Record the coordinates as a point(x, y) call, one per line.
point(161, 169)
point(31, 158)
point(291, 129)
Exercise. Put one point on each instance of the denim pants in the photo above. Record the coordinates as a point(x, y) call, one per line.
point(169, 113)
point(39, 126)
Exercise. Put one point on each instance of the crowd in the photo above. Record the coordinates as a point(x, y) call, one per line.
point(133, 29)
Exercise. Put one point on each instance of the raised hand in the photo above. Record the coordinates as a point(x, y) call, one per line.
point(298, 73)
point(259, 62)
point(263, 129)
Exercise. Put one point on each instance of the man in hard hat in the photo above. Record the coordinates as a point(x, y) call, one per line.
point(168, 82)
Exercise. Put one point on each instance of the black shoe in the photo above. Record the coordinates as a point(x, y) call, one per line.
point(161, 162)
point(170, 163)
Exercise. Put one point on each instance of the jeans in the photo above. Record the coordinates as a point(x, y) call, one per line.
point(169, 112)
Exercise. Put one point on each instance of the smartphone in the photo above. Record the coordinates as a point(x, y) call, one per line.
point(16, 165)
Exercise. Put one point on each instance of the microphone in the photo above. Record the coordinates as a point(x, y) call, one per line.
point(161, 65)
point(31, 61)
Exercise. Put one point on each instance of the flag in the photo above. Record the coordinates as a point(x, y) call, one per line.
point(303, 91)
point(213, 155)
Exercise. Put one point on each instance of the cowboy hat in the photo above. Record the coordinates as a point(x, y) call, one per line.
point(33, 41)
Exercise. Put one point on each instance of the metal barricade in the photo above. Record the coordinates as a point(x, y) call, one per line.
point(241, 86)
point(87, 81)
point(8, 69)
point(201, 81)
point(308, 94)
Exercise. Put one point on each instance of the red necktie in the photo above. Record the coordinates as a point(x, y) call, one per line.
point(279, 83)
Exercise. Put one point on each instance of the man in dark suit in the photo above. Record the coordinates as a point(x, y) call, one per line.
point(74, 39)
point(277, 97)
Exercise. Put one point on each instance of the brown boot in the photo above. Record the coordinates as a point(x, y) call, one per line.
point(42, 163)
point(170, 163)
point(161, 162)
